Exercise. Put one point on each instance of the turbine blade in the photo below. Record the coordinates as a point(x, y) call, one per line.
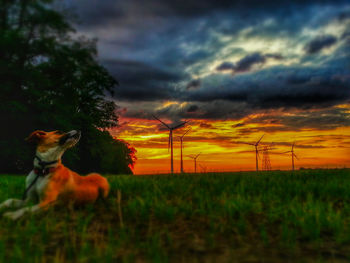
point(166, 125)
point(295, 156)
point(248, 143)
point(186, 132)
point(259, 140)
point(183, 135)
point(179, 125)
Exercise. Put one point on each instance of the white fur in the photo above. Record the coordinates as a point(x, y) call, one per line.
point(50, 155)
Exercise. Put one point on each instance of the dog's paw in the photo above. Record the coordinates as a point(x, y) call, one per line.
point(13, 215)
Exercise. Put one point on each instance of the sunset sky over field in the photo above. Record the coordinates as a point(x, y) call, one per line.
point(235, 69)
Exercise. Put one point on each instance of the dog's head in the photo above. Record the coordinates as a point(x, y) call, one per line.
point(53, 144)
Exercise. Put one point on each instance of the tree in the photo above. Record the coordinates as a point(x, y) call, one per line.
point(50, 79)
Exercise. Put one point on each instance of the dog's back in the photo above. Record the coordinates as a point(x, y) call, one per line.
point(86, 189)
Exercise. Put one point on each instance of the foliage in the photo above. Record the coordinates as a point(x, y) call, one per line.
point(257, 217)
point(50, 80)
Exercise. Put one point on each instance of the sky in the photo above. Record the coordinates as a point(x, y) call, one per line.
point(235, 69)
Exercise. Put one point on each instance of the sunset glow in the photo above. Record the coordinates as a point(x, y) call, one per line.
point(222, 147)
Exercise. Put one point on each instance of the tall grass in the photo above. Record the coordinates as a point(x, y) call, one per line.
point(269, 216)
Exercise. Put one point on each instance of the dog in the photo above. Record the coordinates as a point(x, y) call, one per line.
point(50, 182)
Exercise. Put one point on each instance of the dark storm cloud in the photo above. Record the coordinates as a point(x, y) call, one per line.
point(248, 62)
point(193, 84)
point(192, 108)
point(205, 110)
point(93, 12)
point(322, 120)
point(319, 43)
point(287, 88)
point(225, 66)
point(280, 87)
point(314, 93)
point(223, 96)
point(142, 82)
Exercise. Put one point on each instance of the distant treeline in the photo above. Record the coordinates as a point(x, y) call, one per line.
point(50, 80)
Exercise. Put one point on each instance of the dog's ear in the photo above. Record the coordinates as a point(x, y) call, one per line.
point(35, 137)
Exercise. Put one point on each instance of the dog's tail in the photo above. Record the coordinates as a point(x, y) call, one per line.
point(103, 190)
point(101, 183)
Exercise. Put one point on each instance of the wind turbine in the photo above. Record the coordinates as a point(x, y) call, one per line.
point(195, 161)
point(256, 152)
point(170, 142)
point(293, 155)
point(181, 146)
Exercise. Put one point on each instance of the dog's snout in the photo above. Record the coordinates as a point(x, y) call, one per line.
point(74, 133)
point(77, 133)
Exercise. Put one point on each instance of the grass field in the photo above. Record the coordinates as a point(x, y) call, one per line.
point(228, 217)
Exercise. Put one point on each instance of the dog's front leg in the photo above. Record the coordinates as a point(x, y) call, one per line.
point(31, 209)
point(30, 196)
point(13, 203)
point(44, 204)
point(19, 213)
point(18, 203)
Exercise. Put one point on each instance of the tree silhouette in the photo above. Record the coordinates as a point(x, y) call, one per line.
point(50, 79)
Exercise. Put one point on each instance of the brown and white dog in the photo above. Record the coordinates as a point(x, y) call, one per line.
point(50, 181)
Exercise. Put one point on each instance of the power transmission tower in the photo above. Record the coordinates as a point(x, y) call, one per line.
point(266, 164)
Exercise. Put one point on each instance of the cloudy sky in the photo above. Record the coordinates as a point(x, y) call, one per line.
point(236, 69)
